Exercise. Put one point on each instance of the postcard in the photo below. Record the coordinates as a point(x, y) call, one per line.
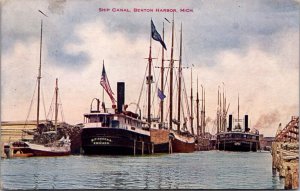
point(152, 94)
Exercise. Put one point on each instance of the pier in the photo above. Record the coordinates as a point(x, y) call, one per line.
point(285, 153)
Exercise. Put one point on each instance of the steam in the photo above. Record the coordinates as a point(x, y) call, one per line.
point(268, 120)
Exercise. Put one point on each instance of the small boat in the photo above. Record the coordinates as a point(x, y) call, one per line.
point(57, 148)
point(47, 141)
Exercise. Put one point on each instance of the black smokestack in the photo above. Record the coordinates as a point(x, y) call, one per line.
point(246, 124)
point(230, 123)
point(120, 96)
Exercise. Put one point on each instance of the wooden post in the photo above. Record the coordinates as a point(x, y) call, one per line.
point(152, 150)
point(134, 146)
point(142, 147)
point(170, 147)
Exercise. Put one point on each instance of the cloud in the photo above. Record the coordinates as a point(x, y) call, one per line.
point(252, 47)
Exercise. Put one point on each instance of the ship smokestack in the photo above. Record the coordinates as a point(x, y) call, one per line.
point(246, 123)
point(230, 123)
point(120, 96)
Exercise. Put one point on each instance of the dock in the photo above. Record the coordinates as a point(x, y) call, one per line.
point(285, 153)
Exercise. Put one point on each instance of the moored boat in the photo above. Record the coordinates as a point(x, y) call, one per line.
point(47, 141)
point(114, 131)
point(182, 141)
point(238, 138)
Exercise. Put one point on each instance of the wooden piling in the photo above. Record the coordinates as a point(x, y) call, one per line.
point(142, 147)
point(134, 147)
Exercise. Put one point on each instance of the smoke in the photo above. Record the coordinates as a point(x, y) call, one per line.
point(268, 120)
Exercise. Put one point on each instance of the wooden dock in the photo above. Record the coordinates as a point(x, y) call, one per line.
point(285, 153)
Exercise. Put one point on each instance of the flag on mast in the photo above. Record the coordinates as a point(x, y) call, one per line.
point(105, 84)
point(160, 94)
point(156, 36)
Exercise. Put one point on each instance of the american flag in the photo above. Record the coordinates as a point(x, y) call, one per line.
point(105, 84)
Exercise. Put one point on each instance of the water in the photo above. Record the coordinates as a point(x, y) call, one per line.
point(208, 170)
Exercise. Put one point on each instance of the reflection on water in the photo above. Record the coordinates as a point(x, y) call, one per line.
point(209, 170)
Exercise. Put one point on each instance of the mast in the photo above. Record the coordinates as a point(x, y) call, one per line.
point(192, 117)
point(238, 110)
point(218, 127)
point(171, 76)
point(202, 109)
point(39, 79)
point(103, 87)
point(149, 82)
point(179, 78)
point(56, 103)
point(162, 78)
point(204, 123)
point(197, 102)
point(221, 125)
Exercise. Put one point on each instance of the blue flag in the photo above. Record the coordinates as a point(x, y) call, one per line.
point(160, 94)
point(156, 36)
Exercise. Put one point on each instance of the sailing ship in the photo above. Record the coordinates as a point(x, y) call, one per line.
point(47, 140)
point(182, 141)
point(237, 138)
point(114, 131)
point(166, 139)
point(159, 133)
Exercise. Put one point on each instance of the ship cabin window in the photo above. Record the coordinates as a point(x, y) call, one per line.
point(95, 119)
point(115, 123)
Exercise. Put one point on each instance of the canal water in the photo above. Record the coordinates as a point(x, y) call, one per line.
point(198, 170)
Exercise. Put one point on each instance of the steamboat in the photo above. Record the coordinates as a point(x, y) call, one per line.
point(238, 138)
point(114, 131)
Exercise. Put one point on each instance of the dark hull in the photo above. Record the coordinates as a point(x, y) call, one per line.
point(39, 153)
point(114, 141)
point(179, 146)
point(161, 148)
point(243, 146)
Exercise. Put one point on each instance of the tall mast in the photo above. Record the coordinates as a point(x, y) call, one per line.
point(221, 112)
point(149, 82)
point(238, 110)
point(204, 124)
point(179, 78)
point(197, 102)
point(56, 103)
point(192, 117)
point(39, 79)
point(218, 123)
point(162, 78)
point(171, 76)
point(202, 109)
point(103, 87)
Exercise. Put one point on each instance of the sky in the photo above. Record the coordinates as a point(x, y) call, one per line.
point(250, 48)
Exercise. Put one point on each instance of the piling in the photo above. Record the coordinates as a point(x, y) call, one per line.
point(134, 147)
point(142, 147)
point(285, 153)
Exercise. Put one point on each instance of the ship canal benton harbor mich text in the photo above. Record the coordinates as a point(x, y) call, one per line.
point(140, 10)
